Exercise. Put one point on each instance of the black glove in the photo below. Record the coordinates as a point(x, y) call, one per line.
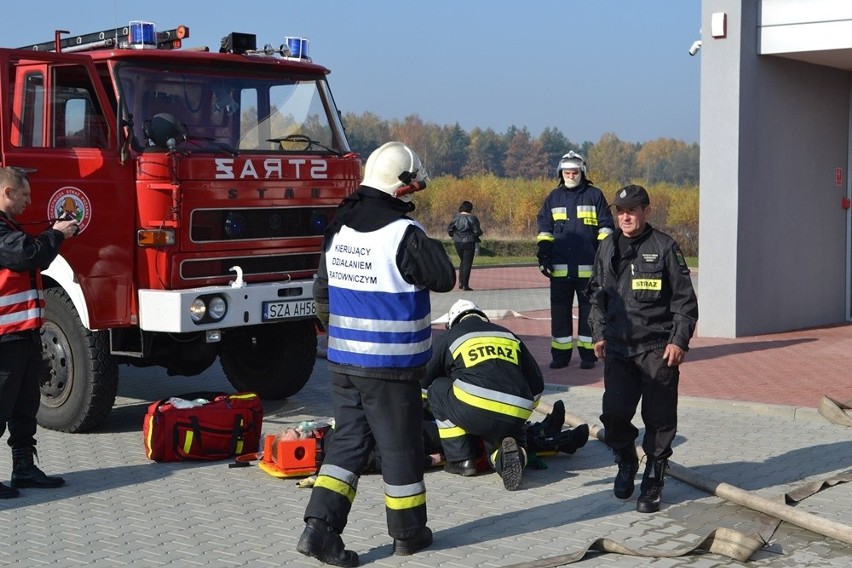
point(545, 264)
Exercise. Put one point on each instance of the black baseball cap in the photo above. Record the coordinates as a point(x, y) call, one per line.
point(630, 196)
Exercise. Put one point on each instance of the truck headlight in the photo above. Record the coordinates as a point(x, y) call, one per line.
point(210, 308)
point(217, 308)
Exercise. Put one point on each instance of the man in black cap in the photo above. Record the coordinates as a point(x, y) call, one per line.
point(644, 312)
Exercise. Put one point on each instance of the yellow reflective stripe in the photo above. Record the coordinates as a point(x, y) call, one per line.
point(450, 432)
point(400, 503)
point(149, 446)
point(398, 497)
point(559, 213)
point(588, 214)
point(239, 447)
point(491, 405)
point(560, 345)
point(545, 237)
point(243, 396)
point(560, 270)
point(447, 429)
point(187, 442)
point(584, 271)
point(603, 233)
point(654, 284)
point(336, 486)
point(585, 342)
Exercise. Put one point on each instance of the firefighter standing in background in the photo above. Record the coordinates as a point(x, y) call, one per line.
point(644, 312)
point(372, 294)
point(22, 258)
point(482, 382)
point(572, 220)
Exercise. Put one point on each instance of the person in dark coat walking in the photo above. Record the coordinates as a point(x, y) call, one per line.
point(465, 231)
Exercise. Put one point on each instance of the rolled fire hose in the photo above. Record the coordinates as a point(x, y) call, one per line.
point(724, 541)
point(835, 412)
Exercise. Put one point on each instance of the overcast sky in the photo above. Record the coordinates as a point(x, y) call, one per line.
point(583, 66)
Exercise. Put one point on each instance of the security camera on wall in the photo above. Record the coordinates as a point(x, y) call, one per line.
point(696, 45)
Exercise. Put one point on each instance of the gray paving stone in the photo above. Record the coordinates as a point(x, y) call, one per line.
point(119, 509)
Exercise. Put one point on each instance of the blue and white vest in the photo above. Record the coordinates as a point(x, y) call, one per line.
point(377, 319)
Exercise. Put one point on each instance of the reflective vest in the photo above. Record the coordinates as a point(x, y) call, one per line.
point(22, 300)
point(377, 319)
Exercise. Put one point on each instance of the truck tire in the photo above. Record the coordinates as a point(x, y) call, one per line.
point(80, 389)
point(273, 360)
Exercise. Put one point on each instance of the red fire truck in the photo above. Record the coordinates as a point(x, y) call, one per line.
point(202, 183)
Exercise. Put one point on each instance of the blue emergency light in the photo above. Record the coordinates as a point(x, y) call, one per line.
point(298, 47)
point(142, 35)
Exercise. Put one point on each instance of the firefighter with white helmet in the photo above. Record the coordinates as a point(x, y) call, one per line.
point(395, 169)
point(482, 383)
point(372, 295)
point(573, 219)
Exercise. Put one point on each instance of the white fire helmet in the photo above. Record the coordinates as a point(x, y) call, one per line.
point(572, 160)
point(460, 309)
point(395, 169)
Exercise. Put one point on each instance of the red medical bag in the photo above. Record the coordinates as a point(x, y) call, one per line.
point(228, 425)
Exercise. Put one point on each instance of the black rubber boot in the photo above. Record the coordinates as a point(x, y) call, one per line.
point(408, 546)
point(25, 473)
point(465, 468)
point(324, 543)
point(651, 490)
point(8, 492)
point(509, 462)
point(576, 439)
point(555, 421)
point(628, 465)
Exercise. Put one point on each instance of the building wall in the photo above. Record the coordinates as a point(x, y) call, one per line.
point(772, 233)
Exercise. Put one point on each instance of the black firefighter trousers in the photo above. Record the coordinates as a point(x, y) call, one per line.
point(390, 414)
point(629, 379)
point(21, 370)
point(562, 292)
point(461, 426)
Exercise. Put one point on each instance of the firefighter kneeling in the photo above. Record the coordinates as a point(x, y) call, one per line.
point(482, 383)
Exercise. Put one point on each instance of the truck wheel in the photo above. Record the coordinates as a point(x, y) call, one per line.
point(79, 391)
point(274, 360)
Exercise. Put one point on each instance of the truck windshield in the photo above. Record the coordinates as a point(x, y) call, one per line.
point(229, 111)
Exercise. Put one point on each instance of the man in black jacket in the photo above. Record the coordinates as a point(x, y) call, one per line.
point(483, 383)
point(22, 258)
point(644, 312)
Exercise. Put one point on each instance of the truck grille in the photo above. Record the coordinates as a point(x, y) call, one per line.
point(229, 225)
point(295, 265)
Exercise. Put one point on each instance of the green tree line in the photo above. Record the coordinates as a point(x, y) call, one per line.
point(507, 176)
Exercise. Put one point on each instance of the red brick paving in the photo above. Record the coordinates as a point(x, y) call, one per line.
point(794, 368)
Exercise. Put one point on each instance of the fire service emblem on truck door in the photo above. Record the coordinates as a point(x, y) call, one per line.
point(71, 201)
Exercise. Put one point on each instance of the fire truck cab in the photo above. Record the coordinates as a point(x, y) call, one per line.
point(202, 183)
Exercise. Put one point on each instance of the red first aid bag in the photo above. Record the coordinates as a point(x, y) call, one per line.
point(228, 425)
